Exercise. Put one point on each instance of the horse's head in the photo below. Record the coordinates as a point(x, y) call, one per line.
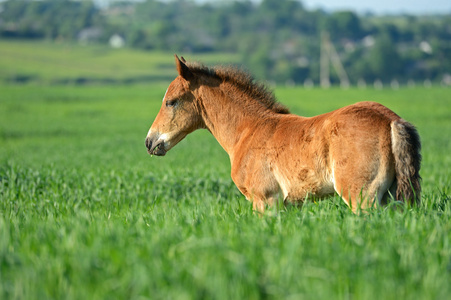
point(178, 115)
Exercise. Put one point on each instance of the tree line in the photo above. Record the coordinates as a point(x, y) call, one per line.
point(279, 40)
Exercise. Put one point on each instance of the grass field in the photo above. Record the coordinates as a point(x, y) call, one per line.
point(63, 63)
point(86, 213)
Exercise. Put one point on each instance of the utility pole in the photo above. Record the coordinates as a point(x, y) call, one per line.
point(329, 54)
point(324, 73)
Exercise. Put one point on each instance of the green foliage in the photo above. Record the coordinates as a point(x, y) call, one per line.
point(58, 19)
point(385, 60)
point(344, 24)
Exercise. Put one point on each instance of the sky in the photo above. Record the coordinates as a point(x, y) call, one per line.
point(383, 6)
point(415, 7)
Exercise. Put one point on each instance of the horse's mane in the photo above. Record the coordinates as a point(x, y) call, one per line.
point(244, 81)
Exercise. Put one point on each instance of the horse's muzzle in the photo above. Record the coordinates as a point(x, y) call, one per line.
point(155, 147)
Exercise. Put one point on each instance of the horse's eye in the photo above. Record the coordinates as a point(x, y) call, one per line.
point(171, 103)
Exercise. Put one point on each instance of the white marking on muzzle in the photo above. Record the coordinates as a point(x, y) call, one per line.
point(163, 137)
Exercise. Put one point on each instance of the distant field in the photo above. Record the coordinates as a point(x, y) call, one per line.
point(67, 63)
point(86, 213)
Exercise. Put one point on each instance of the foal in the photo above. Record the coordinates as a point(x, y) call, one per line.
point(364, 152)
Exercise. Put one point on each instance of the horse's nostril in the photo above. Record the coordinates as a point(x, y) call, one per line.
point(148, 143)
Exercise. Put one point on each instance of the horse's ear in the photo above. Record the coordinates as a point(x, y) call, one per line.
point(183, 70)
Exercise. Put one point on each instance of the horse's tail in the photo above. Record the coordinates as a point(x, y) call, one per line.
point(406, 148)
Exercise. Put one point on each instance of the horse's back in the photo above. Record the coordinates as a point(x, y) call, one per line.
point(361, 127)
point(367, 112)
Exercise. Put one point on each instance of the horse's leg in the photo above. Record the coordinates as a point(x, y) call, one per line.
point(258, 205)
point(390, 194)
point(259, 202)
point(356, 198)
point(367, 188)
point(257, 184)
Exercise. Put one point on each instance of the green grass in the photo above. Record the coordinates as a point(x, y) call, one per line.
point(86, 213)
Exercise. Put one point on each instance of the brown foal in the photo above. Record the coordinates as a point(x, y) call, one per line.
point(364, 152)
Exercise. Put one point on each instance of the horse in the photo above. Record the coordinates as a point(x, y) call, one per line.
point(364, 152)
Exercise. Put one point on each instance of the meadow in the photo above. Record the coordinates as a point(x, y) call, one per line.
point(86, 213)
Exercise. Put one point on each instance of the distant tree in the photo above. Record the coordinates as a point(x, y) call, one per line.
point(384, 59)
point(343, 24)
point(48, 18)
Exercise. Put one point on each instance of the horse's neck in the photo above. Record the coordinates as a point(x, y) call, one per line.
point(225, 115)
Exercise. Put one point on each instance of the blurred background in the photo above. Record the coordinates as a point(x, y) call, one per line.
point(309, 42)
